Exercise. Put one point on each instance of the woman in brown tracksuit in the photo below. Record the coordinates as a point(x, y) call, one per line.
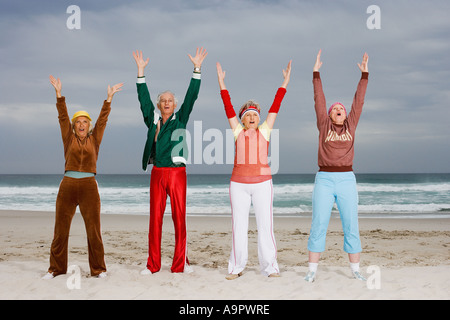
point(79, 187)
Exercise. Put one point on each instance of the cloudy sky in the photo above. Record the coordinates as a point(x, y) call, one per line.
point(405, 122)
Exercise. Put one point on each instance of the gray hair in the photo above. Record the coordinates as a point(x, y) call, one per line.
point(158, 99)
point(249, 103)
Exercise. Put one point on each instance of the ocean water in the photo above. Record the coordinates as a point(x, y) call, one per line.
point(380, 195)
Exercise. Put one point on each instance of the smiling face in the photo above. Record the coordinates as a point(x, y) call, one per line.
point(167, 104)
point(250, 120)
point(81, 126)
point(338, 114)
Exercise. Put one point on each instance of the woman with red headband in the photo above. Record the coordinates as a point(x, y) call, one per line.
point(251, 180)
point(81, 143)
point(335, 181)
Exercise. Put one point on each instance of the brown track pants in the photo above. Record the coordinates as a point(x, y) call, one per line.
point(72, 193)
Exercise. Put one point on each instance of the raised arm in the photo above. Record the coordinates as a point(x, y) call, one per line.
point(100, 124)
point(273, 112)
point(147, 107)
point(318, 63)
point(140, 62)
point(63, 116)
point(364, 65)
point(229, 110)
point(56, 83)
point(197, 60)
point(112, 90)
point(287, 75)
point(358, 99)
point(319, 97)
point(194, 86)
point(221, 76)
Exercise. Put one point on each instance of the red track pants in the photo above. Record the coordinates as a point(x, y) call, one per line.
point(167, 182)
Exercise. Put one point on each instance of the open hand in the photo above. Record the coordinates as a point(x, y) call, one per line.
point(56, 83)
point(318, 63)
point(220, 76)
point(220, 72)
point(140, 62)
point(364, 64)
point(287, 74)
point(112, 90)
point(200, 55)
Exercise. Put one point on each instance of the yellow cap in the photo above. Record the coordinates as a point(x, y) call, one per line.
point(81, 114)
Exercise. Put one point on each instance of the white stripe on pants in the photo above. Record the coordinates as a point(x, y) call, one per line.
point(242, 195)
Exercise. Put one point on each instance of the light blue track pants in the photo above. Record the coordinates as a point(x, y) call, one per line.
point(331, 187)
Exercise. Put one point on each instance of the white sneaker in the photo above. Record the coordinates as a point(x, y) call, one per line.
point(188, 269)
point(310, 277)
point(358, 276)
point(102, 275)
point(146, 272)
point(48, 276)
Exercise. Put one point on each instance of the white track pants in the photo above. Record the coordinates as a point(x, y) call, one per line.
point(242, 195)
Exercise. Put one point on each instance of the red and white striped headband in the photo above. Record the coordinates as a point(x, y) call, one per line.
point(250, 108)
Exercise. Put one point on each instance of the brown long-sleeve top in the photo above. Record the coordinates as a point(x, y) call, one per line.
point(81, 155)
point(336, 142)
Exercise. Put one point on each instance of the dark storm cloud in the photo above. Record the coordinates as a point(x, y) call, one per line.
point(404, 126)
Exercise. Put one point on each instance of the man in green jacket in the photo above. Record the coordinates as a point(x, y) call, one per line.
point(166, 149)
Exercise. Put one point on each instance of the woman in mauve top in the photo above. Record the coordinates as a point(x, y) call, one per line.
point(335, 181)
point(251, 180)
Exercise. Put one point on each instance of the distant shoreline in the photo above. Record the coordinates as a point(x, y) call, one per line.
point(303, 215)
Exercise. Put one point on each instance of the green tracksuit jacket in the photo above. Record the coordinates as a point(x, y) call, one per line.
point(171, 149)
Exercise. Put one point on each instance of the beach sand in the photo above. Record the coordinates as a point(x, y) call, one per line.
point(402, 259)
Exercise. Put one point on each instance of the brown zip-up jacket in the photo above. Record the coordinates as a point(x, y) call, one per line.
point(81, 155)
